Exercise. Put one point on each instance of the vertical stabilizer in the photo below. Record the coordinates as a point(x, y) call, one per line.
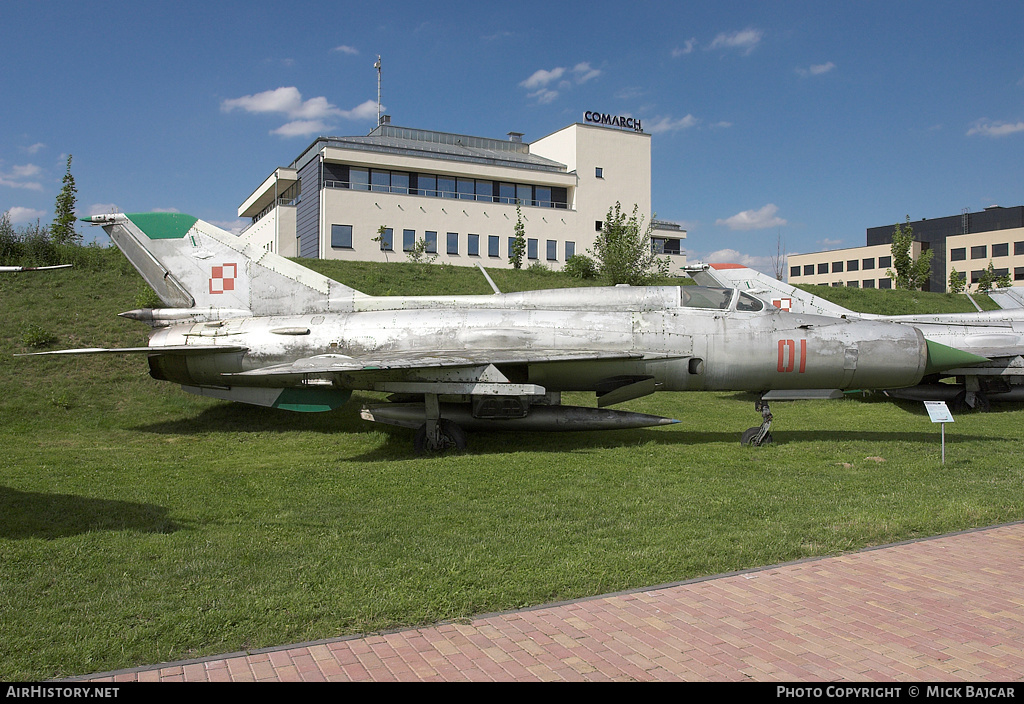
point(190, 263)
point(767, 288)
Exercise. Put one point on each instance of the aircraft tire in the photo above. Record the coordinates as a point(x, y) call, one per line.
point(452, 437)
point(750, 433)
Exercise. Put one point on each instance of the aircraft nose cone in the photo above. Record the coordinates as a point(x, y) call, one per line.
point(941, 357)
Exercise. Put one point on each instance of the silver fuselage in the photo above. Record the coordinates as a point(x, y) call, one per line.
point(687, 338)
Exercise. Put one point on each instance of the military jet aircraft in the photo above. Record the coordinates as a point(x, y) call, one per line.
point(997, 335)
point(244, 324)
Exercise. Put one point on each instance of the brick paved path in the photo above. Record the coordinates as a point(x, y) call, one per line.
point(944, 609)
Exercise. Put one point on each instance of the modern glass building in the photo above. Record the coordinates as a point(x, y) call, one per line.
point(378, 197)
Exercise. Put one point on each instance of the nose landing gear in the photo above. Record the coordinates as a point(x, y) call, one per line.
point(760, 435)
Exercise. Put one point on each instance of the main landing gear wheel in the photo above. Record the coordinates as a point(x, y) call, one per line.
point(759, 436)
point(446, 436)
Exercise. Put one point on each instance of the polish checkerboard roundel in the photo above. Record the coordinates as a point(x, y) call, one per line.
point(222, 278)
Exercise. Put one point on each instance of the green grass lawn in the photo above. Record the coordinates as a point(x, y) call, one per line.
point(140, 524)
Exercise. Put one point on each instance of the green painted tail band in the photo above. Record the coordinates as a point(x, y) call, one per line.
point(163, 226)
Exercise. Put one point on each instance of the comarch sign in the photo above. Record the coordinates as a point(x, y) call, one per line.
point(603, 118)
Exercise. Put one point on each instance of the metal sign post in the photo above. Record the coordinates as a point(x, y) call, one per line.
point(939, 413)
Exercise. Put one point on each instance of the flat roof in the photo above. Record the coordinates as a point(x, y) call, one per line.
point(408, 141)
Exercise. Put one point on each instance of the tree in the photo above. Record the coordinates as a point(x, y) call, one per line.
point(623, 250)
point(987, 278)
point(63, 229)
point(517, 248)
point(779, 258)
point(957, 281)
point(1003, 280)
point(910, 274)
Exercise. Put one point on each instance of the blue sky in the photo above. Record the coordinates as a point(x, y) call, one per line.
point(792, 123)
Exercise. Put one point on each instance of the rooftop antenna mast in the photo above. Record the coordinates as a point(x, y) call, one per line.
point(377, 66)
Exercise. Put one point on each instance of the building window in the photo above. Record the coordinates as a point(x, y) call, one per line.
point(408, 240)
point(958, 254)
point(837, 267)
point(853, 284)
point(1018, 273)
point(885, 283)
point(542, 196)
point(493, 246)
point(853, 265)
point(808, 270)
point(473, 246)
point(598, 225)
point(823, 268)
point(1000, 273)
point(869, 263)
point(979, 252)
point(570, 250)
point(666, 245)
point(884, 262)
point(552, 250)
point(507, 193)
point(1018, 248)
point(1001, 250)
point(976, 276)
point(387, 240)
point(341, 236)
point(426, 185)
point(399, 182)
point(431, 238)
point(599, 172)
point(531, 248)
point(446, 187)
point(380, 181)
point(869, 283)
point(485, 191)
point(794, 271)
point(359, 179)
point(453, 243)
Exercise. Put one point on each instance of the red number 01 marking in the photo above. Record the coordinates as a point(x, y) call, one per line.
point(787, 356)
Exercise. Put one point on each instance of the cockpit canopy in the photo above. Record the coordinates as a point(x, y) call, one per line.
point(718, 299)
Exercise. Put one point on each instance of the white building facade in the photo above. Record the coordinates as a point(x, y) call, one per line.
point(374, 198)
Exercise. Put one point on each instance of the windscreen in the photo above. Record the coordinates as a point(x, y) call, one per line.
point(702, 297)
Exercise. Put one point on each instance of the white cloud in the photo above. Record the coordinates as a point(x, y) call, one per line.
point(816, 69)
point(660, 125)
point(232, 226)
point(19, 215)
point(987, 128)
point(345, 49)
point(541, 78)
point(732, 256)
point(22, 177)
point(686, 48)
point(301, 128)
point(754, 219)
point(305, 116)
point(583, 72)
point(538, 83)
point(544, 96)
point(101, 209)
point(33, 149)
point(746, 40)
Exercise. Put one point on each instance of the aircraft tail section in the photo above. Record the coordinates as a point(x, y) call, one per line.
point(190, 263)
point(767, 288)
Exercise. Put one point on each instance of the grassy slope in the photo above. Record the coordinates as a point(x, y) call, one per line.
point(140, 524)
